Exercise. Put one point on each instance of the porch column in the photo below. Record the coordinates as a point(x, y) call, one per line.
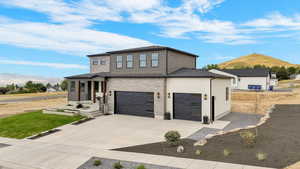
point(93, 91)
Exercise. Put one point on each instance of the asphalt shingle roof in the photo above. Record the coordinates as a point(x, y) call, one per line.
point(183, 72)
point(259, 72)
point(140, 49)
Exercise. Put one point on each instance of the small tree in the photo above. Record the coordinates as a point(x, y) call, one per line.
point(64, 85)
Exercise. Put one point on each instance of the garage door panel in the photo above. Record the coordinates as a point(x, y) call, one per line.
point(135, 103)
point(187, 106)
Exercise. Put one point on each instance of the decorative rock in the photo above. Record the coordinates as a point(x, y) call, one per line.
point(180, 149)
point(200, 142)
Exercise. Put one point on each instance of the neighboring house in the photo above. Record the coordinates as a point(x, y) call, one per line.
point(152, 81)
point(295, 77)
point(249, 79)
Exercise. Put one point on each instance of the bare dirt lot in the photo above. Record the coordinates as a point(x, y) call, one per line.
point(29, 95)
point(260, 102)
point(7, 109)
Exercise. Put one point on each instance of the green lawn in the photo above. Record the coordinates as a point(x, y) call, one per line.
point(28, 124)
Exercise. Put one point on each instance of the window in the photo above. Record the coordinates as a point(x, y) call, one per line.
point(227, 93)
point(129, 61)
point(82, 87)
point(154, 60)
point(95, 62)
point(72, 86)
point(119, 61)
point(102, 62)
point(143, 60)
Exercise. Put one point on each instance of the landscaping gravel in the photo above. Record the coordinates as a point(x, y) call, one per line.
point(278, 138)
point(109, 163)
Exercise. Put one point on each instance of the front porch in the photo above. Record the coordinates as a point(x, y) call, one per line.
point(86, 91)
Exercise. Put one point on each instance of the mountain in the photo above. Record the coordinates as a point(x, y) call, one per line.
point(255, 59)
point(9, 78)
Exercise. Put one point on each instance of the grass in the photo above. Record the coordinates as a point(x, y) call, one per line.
point(28, 124)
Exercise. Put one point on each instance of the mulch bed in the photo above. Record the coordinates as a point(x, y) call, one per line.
point(279, 137)
point(109, 163)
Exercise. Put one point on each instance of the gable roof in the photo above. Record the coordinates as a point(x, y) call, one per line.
point(258, 72)
point(141, 49)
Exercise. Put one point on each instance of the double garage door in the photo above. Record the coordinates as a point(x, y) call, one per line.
point(134, 103)
point(186, 106)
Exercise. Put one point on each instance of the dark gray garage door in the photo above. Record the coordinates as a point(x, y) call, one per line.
point(187, 106)
point(134, 103)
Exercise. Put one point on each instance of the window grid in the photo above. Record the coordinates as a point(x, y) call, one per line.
point(154, 60)
point(143, 60)
point(119, 62)
point(129, 61)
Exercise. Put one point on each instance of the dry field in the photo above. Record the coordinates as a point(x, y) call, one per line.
point(21, 107)
point(260, 102)
point(28, 95)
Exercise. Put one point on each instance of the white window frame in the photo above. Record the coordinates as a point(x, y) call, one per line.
point(119, 62)
point(144, 60)
point(154, 59)
point(129, 61)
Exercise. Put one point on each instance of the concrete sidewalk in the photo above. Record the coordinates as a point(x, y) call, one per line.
point(31, 154)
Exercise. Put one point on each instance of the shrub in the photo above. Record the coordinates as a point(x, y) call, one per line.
point(261, 156)
point(172, 138)
point(141, 167)
point(248, 137)
point(97, 162)
point(226, 152)
point(118, 165)
point(198, 152)
point(79, 106)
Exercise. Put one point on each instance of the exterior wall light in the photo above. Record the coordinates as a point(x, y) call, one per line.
point(158, 95)
point(109, 93)
point(205, 97)
point(169, 95)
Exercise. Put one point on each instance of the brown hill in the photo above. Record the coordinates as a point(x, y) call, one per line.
point(254, 59)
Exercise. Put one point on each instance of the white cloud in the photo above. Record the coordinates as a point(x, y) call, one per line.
point(9, 78)
point(43, 64)
point(62, 38)
point(175, 22)
point(275, 19)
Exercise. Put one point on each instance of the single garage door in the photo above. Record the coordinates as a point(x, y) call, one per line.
point(187, 106)
point(134, 103)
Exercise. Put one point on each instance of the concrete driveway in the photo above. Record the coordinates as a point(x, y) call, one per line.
point(74, 145)
point(115, 131)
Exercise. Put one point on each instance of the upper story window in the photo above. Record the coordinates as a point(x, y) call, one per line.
point(143, 60)
point(129, 61)
point(154, 60)
point(102, 62)
point(119, 62)
point(72, 86)
point(95, 62)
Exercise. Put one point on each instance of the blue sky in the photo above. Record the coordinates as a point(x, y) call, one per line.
point(50, 38)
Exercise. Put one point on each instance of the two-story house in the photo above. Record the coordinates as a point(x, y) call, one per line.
point(152, 81)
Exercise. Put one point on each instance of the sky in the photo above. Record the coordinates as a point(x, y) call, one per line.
point(51, 38)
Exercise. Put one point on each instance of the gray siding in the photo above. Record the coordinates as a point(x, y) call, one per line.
point(161, 69)
point(154, 85)
point(73, 96)
point(178, 60)
point(100, 68)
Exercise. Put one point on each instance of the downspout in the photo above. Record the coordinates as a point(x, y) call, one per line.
point(165, 84)
point(210, 97)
